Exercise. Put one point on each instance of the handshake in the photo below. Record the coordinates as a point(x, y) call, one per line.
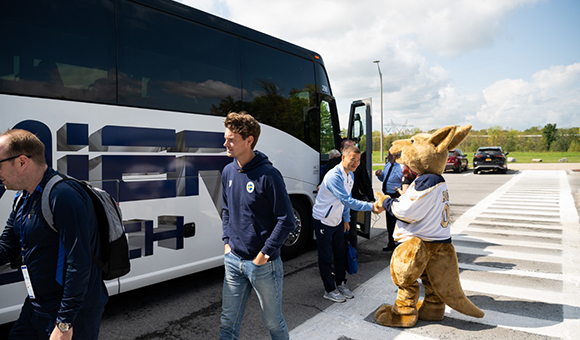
point(378, 205)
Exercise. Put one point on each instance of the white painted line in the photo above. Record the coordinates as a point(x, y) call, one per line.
point(521, 273)
point(348, 319)
point(521, 293)
point(519, 224)
point(517, 213)
point(506, 232)
point(547, 328)
point(487, 214)
point(512, 243)
point(506, 254)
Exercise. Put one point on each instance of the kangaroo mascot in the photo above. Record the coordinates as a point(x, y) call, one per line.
point(423, 231)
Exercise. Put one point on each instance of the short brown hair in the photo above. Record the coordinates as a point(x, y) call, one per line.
point(243, 124)
point(22, 142)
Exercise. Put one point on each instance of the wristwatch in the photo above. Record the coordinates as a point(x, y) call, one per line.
point(266, 256)
point(63, 326)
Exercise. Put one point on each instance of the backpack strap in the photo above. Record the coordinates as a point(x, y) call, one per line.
point(45, 201)
point(47, 210)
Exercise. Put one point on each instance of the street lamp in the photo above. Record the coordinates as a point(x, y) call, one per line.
point(381, 77)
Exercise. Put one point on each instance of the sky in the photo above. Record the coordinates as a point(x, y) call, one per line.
point(513, 64)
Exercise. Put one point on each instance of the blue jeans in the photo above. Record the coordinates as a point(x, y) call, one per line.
point(240, 277)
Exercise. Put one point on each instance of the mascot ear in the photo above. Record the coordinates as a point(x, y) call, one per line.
point(460, 134)
point(442, 137)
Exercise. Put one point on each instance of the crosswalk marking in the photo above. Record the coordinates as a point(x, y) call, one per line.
point(519, 253)
point(522, 203)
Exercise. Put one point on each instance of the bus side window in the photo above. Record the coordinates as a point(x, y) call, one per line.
point(171, 63)
point(53, 52)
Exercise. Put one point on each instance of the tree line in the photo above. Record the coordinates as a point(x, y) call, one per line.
point(534, 139)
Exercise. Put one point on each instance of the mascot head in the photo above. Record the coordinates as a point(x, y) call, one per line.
point(427, 153)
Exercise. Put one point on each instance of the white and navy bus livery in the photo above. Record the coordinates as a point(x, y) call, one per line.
point(131, 95)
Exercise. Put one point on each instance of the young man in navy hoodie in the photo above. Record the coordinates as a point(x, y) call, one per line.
point(257, 218)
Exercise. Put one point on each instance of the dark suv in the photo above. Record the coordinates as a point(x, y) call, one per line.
point(490, 158)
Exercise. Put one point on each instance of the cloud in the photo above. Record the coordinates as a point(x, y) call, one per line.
point(404, 35)
point(551, 96)
point(456, 27)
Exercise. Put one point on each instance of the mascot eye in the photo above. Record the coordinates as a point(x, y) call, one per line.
point(412, 141)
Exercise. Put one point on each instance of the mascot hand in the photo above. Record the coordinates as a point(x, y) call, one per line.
point(378, 206)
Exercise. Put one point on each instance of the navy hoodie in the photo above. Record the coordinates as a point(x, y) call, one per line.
point(257, 213)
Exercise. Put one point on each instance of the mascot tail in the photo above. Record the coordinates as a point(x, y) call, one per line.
point(447, 286)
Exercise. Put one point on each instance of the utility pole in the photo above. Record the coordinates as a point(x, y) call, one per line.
point(381, 77)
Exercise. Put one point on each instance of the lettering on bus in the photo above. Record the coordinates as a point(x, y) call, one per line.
point(169, 169)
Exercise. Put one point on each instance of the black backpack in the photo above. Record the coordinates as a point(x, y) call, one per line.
point(114, 261)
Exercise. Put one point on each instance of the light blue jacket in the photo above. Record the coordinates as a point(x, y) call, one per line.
point(334, 194)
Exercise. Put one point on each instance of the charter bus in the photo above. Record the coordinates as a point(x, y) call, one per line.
point(131, 95)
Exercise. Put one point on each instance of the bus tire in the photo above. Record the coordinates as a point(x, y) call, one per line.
point(298, 239)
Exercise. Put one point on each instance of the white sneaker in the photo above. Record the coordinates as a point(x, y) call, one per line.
point(334, 296)
point(343, 289)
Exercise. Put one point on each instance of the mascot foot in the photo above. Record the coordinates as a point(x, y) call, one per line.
point(431, 311)
point(386, 316)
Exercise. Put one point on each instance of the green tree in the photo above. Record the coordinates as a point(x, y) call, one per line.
point(376, 140)
point(549, 135)
point(496, 136)
point(563, 139)
point(574, 146)
point(511, 141)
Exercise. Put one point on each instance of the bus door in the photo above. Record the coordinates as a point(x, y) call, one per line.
point(360, 131)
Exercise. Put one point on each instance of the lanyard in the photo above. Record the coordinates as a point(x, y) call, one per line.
point(24, 217)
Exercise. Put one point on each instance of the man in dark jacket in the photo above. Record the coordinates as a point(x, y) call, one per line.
point(66, 293)
point(257, 218)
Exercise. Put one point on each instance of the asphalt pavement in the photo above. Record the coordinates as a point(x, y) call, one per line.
point(519, 268)
point(516, 250)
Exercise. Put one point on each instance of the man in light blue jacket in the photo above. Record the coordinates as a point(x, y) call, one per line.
point(332, 220)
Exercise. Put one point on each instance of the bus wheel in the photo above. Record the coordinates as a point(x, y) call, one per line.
point(298, 238)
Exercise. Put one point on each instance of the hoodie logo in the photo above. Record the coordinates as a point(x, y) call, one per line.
point(230, 183)
point(250, 187)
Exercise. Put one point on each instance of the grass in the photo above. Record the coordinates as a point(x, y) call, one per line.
point(546, 157)
point(521, 157)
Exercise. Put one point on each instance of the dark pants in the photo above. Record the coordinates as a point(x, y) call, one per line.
point(31, 326)
point(331, 250)
point(391, 223)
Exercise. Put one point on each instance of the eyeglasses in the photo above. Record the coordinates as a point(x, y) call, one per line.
point(13, 157)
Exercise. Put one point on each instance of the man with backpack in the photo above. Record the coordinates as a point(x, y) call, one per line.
point(66, 293)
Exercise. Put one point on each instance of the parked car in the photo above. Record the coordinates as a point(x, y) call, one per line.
point(457, 161)
point(490, 158)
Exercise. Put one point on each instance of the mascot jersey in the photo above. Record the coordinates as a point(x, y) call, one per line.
point(423, 211)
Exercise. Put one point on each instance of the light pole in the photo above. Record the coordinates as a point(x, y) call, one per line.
point(381, 77)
